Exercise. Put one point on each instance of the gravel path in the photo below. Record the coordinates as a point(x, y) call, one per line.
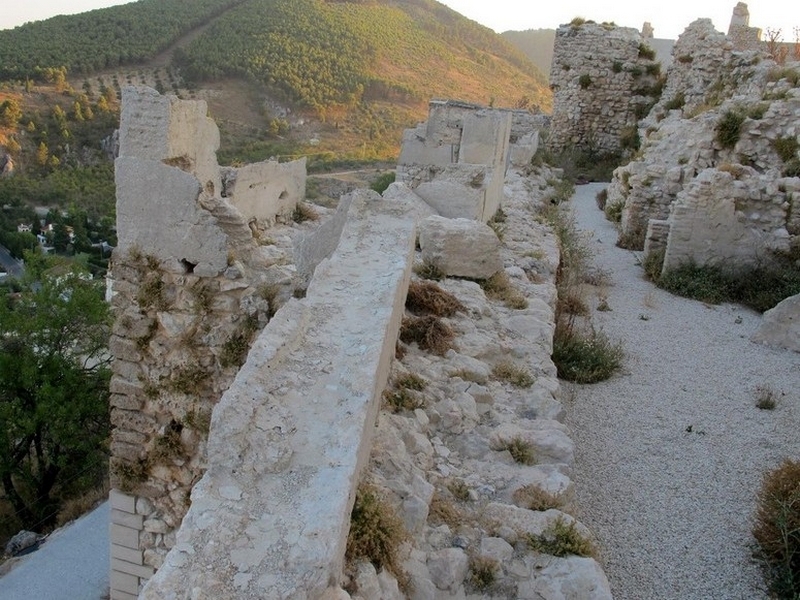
point(670, 453)
point(72, 564)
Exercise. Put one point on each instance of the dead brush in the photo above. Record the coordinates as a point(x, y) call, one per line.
point(427, 298)
point(429, 332)
point(376, 531)
point(498, 287)
point(535, 498)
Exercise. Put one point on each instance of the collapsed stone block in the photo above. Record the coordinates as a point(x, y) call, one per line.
point(780, 326)
point(460, 247)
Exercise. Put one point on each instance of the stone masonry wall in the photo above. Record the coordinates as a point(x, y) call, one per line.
point(193, 282)
point(603, 82)
point(457, 160)
point(288, 439)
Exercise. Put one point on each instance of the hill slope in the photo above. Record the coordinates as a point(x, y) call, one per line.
point(536, 44)
point(318, 76)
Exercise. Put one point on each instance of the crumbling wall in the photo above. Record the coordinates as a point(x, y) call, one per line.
point(604, 79)
point(715, 178)
point(269, 519)
point(740, 33)
point(732, 218)
point(192, 284)
point(457, 160)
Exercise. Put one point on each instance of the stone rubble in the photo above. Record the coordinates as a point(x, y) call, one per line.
point(457, 440)
point(696, 198)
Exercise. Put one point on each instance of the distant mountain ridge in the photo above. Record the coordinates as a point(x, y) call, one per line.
point(317, 53)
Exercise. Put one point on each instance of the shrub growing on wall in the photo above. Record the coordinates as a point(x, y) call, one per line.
point(729, 129)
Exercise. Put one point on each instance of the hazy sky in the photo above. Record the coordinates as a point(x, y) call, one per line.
point(668, 18)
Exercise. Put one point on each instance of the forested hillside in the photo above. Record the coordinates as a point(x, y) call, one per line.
point(99, 39)
point(323, 53)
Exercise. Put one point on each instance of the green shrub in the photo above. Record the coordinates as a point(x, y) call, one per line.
point(787, 73)
point(786, 147)
point(653, 69)
point(585, 357)
point(646, 52)
point(482, 572)
point(629, 138)
point(585, 81)
point(616, 67)
point(383, 182)
point(757, 111)
point(792, 168)
point(777, 529)
point(653, 263)
point(521, 451)
point(676, 102)
point(613, 211)
point(729, 129)
point(577, 21)
point(429, 271)
point(561, 539)
point(760, 289)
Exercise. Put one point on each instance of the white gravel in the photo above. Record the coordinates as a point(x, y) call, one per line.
point(673, 508)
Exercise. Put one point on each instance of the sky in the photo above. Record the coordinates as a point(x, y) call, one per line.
point(669, 19)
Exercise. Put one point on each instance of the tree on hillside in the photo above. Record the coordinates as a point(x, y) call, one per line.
point(53, 388)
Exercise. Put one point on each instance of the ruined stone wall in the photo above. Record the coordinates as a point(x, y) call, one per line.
point(741, 35)
point(288, 439)
point(457, 160)
point(192, 284)
point(733, 219)
point(603, 82)
point(713, 149)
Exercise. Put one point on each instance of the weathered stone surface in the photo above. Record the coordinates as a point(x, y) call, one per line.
point(460, 247)
point(599, 80)
point(448, 568)
point(272, 452)
point(265, 190)
point(457, 160)
point(572, 578)
point(780, 326)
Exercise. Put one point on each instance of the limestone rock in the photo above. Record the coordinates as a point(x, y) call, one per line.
point(780, 326)
point(448, 568)
point(24, 540)
point(460, 247)
point(571, 578)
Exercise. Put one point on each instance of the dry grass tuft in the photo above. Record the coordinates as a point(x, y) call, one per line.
point(376, 531)
point(430, 333)
point(535, 498)
point(511, 373)
point(498, 287)
point(425, 297)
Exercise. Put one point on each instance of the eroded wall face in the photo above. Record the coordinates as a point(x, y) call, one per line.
point(603, 82)
point(457, 160)
point(191, 288)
